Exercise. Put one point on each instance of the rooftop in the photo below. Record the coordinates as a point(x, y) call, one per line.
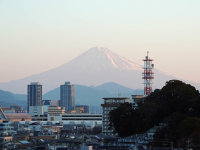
point(115, 98)
point(35, 83)
point(17, 115)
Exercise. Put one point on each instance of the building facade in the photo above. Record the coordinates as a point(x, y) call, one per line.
point(81, 117)
point(54, 113)
point(5, 126)
point(67, 96)
point(16, 117)
point(82, 109)
point(34, 95)
point(110, 103)
point(47, 103)
point(36, 110)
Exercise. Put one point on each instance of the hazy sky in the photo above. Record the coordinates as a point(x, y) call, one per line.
point(37, 35)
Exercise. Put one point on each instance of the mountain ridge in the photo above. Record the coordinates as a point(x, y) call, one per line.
point(96, 66)
point(84, 95)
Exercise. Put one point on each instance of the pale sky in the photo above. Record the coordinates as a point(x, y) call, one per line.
point(38, 35)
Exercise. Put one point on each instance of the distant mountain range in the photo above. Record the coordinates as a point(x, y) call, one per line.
point(93, 95)
point(96, 66)
point(8, 98)
point(84, 95)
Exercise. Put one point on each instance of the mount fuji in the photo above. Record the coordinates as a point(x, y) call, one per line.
point(96, 66)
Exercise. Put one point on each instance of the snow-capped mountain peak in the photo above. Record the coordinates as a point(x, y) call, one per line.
point(96, 66)
point(104, 58)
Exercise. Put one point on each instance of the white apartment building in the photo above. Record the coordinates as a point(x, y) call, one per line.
point(36, 110)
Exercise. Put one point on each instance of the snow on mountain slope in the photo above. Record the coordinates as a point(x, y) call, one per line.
point(98, 58)
point(96, 66)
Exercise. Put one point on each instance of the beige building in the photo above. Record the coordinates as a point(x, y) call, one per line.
point(15, 117)
point(54, 113)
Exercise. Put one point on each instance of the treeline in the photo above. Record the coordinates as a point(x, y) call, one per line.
point(177, 105)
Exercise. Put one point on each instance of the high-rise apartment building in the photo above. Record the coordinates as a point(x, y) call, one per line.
point(110, 103)
point(67, 96)
point(34, 94)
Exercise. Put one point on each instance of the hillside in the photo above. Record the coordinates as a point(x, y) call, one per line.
point(8, 98)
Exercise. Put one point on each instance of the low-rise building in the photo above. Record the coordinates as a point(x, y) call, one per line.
point(5, 138)
point(81, 117)
point(137, 98)
point(36, 110)
point(47, 103)
point(18, 117)
point(54, 113)
point(82, 109)
point(39, 118)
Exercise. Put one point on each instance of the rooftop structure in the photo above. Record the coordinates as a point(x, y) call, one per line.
point(35, 83)
point(2, 115)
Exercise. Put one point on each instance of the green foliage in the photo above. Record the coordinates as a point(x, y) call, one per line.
point(120, 119)
point(176, 104)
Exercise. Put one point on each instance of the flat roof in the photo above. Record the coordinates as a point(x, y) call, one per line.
point(35, 83)
point(17, 115)
point(117, 98)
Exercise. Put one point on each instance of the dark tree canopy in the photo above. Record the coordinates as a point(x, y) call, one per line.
point(177, 104)
point(121, 119)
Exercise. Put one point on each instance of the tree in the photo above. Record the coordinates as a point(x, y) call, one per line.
point(176, 104)
point(120, 119)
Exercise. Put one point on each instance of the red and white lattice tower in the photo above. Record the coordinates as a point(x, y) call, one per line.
point(148, 75)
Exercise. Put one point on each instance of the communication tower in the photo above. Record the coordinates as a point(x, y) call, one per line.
point(148, 74)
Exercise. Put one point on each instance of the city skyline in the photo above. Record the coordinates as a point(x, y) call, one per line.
point(37, 36)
